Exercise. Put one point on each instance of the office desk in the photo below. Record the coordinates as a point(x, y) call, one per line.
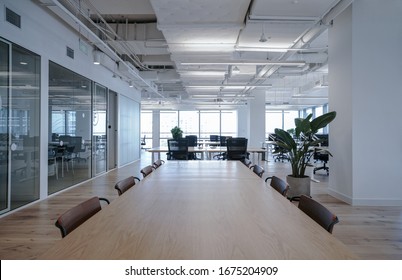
point(200, 210)
point(209, 151)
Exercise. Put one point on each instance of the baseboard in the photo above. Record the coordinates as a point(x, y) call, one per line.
point(365, 201)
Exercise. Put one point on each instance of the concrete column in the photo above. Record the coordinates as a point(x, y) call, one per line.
point(364, 88)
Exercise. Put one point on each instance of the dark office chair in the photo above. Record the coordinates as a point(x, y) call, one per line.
point(223, 143)
point(147, 170)
point(77, 215)
point(178, 149)
point(143, 142)
point(279, 153)
point(318, 212)
point(236, 148)
point(321, 155)
point(214, 138)
point(157, 163)
point(192, 142)
point(279, 185)
point(257, 169)
point(125, 184)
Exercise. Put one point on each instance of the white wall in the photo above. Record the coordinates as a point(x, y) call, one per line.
point(365, 73)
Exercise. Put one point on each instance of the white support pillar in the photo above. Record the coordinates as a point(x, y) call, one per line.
point(364, 88)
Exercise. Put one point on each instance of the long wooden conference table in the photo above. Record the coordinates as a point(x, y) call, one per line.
point(200, 210)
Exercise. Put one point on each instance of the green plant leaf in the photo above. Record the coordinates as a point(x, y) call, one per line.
point(285, 138)
point(322, 121)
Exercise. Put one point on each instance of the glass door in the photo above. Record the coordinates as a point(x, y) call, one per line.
point(99, 137)
point(4, 127)
point(19, 126)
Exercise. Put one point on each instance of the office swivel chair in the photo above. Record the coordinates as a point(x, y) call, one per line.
point(321, 155)
point(236, 148)
point(192, 142)
point(178, 149)
point(279, 153)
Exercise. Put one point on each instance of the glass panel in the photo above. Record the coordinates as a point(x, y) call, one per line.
point(99, 128)
point(168, 120)
point(25, 127)
point(229, 123)
point(189, 122)
point(4, 128)
point(146, 129)
point(129, 135)
point(209, 124)
point(70, 126)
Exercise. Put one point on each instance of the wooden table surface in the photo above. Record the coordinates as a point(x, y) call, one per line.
point(200, 210)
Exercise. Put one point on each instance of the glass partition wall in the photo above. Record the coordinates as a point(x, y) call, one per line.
point(19, 126)
point(70, 128)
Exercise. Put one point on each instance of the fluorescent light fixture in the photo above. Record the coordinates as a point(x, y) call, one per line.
point(229, 86)
point(202, 73)
point(308, 97)
point(265, 49)
point(279, 63)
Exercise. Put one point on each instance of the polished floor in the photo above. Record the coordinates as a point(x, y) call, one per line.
point(370, 232)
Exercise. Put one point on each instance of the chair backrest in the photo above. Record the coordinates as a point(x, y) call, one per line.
point(192, 140)
point(77, 215)
point(178, 148)
point(147, 170)
point(214, 138)
point(236, 148)
point(246, 162)
point(257, 169)
point(318, 212)
point(158, 163)
point(125, 184)
point(279, 185)
point(223, 140)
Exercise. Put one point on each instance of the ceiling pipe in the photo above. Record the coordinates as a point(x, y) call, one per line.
point(102, 45)
point(309, 36)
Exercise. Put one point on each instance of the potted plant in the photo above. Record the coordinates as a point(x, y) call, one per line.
point(176, 132)
point(300, 149)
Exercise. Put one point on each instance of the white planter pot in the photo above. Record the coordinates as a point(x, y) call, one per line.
point(298, 186)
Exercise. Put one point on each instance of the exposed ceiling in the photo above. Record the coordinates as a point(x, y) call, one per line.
point(215, 53)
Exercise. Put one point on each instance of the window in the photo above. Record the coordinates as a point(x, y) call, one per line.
point(209, 123)
point(146, 127)
point(273, 119)
point(168, 120)
point(229, 123)
point(189, 122)
point(289, 119)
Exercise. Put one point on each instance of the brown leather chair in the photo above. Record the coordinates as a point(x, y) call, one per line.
point(279, 185)
point(318, 212)
point(157, 163)
point(77, 215)
point(257, 169)
point(147, 170)
point(246, 162)
point(125, 184)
